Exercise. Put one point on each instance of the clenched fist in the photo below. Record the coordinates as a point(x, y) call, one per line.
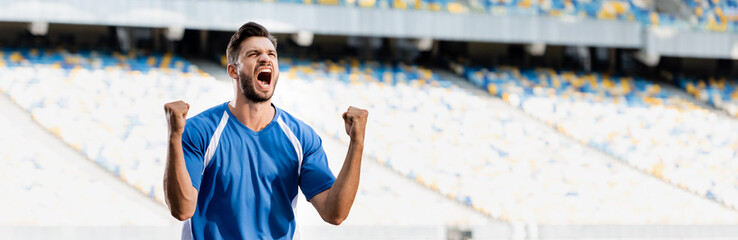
point(176, 116)
point(355, 122)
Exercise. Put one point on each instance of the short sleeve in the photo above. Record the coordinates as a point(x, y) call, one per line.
point(315, 175)
point(193, 146)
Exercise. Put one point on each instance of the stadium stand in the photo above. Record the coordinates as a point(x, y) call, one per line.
point(650, 127)
point(478, 153)
point(719, 92)
point(44, 183)
point(462, 146)
point(90, 98)
point(715, 15)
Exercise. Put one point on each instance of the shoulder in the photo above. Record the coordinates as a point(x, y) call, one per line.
point(302, 130)
point(198, 128)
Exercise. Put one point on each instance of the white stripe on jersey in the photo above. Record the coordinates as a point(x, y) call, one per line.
point(214, 141)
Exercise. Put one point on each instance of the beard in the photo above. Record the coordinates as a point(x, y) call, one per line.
point(249, 90)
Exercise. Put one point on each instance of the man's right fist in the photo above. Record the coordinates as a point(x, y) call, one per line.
point(176, 116)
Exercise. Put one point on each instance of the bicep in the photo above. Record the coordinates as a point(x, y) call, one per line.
point(315, 175)
point(193, 149)
point(316, 178)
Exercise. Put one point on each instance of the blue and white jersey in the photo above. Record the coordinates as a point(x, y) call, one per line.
point(247, 181)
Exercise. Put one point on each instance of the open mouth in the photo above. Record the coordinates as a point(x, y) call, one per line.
point(264, 78)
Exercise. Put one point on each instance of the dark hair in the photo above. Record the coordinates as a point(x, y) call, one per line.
point(250, 29)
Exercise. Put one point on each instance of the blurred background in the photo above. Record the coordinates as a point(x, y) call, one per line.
point(489, 119)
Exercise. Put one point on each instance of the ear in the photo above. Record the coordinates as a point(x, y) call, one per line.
point(232, 71)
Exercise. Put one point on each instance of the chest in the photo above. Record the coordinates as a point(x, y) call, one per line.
point(266, 159)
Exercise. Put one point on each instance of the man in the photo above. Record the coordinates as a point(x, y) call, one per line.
point(233, 171)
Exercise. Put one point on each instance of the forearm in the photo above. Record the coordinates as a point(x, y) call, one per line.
point(335, 203)
point(180, 195)
point(343, 191)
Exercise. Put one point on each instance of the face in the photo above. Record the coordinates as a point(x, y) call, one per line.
point(257, 69)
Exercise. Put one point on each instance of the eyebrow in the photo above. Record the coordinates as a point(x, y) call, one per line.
point(256, 50)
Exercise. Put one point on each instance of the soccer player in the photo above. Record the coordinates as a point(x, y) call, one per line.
point(233, 170)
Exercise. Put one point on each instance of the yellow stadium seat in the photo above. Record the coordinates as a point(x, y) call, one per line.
point(292, 74)
point(606, 12)
point(367, 3)
point(568, 4)
point(621, 7)
point(151, 61)
point(555, 82)
point(654, 89)
point(626, 86)
point(492, 89)
point(456, 8)
point(387, 77)
point(592, 80)
point(654, 19)
point(721, 83)
point(524, 4)
point(435, 7)
point(328, 2)
point(690, 89)
point(399, 4)
point(166, 60)
point(16, 57)
point(713, 25)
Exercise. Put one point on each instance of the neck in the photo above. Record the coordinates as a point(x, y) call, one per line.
point(255, 116)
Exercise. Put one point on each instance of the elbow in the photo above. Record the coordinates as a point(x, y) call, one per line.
point(335, 220)
point(181, 210)
point(180, 215)
point(181, 206)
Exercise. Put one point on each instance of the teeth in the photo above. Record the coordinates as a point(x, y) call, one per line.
point(266, 70)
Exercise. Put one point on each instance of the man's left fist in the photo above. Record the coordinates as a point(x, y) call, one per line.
point(355, 121)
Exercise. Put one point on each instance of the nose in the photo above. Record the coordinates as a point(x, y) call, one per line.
point(264, 59)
